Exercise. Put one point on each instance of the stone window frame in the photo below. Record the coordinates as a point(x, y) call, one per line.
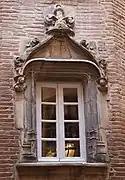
point(60, 29)
point(29, 151)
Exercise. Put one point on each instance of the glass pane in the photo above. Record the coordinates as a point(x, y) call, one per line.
point(48, 94)
point(70, 94)
point(48, 130)
point(72, 149)
point(70, 112)
point(48, 148)
point(48, 112)
point(71, 130)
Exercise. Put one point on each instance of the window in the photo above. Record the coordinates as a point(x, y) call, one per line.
point(60, 122)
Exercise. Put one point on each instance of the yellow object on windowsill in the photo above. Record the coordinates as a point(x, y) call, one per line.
point(69, 150)
point(51, 154)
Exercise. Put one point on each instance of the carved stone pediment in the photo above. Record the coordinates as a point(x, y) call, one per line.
point(59, 48)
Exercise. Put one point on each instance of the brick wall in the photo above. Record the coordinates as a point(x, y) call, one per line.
point(100, 22)
point(117, 93)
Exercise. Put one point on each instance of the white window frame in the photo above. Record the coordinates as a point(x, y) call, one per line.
point(60, 124)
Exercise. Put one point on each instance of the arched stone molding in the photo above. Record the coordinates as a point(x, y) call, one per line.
point(39, 52)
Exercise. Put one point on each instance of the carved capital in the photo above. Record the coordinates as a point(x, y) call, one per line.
point(59, 24)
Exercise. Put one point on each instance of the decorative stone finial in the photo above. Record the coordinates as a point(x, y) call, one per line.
point(59, 24)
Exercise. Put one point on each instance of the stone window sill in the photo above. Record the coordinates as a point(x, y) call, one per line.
point(44, 164)
point(42, 169)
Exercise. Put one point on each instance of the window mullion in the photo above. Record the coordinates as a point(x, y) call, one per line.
point(81, 123)
point(57, 121)
point(38, 108)
point(61, 121)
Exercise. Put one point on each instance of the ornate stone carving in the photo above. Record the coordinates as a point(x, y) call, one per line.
point(102, 84)
point(103, 65)
point(20, 84)
point(92, 141)
point(29, 146)
point(91, 46)
point(102, 81)
point(33, 43)
point(101, 154)
point(19, 79)
point(96, 148)
point(18, 62)
point(58, 23)
point(84, 43)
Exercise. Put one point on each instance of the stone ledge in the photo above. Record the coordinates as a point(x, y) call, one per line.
point(49, 164)
point(47, 168)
